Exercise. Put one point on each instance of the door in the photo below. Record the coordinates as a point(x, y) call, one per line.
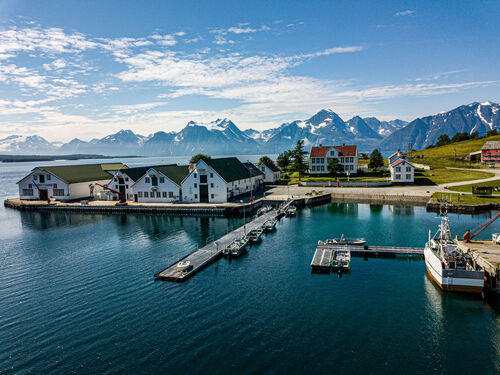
point(42, 179)
point(135, 197)
point(43, 194)
point(203, 193)
point(154, 181)
point(121, 189)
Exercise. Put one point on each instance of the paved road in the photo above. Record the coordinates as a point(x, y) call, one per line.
point(421, 191)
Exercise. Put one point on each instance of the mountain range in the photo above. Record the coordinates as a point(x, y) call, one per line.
point(223, 137)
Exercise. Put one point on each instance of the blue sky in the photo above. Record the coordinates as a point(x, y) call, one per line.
point(89, 68)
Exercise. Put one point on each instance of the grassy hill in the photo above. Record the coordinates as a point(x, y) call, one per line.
point(443, 156)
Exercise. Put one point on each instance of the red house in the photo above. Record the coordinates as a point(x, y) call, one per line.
point(490, 152)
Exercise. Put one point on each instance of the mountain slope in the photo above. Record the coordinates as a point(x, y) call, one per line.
point(384, 128)
point(17, 144)
point(425, 131)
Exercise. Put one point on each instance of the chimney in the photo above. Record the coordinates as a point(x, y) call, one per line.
point(320, 145)
point(343, 144)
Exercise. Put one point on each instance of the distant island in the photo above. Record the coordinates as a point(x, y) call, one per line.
point(27, 158)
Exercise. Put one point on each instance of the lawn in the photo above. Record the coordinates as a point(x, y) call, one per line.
point(466, 199)
point(468, 188)
point(366, 176)
point(439, 176)
point(444, 156)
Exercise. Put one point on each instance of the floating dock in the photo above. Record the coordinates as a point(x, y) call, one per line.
point(206, 255)
point(378, 251)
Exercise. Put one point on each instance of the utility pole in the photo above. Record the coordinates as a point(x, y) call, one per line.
point(455, 155)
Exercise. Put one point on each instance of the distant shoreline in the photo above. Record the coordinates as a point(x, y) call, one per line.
point(28, 158)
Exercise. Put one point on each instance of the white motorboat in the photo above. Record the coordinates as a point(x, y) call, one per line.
point(343, 241)
point(236, 248)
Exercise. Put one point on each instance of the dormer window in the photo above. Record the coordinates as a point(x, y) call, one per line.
point(35, 177)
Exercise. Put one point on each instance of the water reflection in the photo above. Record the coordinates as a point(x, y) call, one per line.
point(402, 210)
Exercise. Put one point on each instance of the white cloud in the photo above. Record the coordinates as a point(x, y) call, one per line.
point(404, 13)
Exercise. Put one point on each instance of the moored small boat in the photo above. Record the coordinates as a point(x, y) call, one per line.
point(236, 248)
point(184, 266)
point(343, 241)
point(291, 211)
point(255, 235)
point(269, 225)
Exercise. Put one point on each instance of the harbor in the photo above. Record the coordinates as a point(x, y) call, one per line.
point(191, 264)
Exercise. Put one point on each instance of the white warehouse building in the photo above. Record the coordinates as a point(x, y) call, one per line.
point(67, 182)
point(218, 181)
point(160, 184)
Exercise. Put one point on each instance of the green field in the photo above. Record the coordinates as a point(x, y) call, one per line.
point(367, 176)
point(444, 156)
point(468, 188)
point(439, 176)
point(466, 199)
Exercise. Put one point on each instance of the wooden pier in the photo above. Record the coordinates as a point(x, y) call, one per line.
point(206, 255)
point(378, 251)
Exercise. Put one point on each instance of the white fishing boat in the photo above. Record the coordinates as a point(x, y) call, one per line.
point(255, 235)
point(236, 248)
point(448, 266)
point(264, 209)
point(269, 225)
point(343, 241)
point(184, 266)
point(495, 237)
point(342, 260)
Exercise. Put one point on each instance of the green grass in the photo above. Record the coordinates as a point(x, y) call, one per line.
point(468, 188)
point(465, 199)
point(439, 176)
point(443, 156)
point(367, 176)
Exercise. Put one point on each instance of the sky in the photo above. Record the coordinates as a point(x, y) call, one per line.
point(87, 69)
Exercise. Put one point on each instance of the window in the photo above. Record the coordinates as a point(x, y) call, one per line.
point(126, 186)
point(35, 177)
point(164, 194)
point(146, 180)
point(332, 153)
point(408, 169)
point(196, 196)
point(212, 185)
point(162, 180)
point(203, 179)
point(158, 194)
point(398, 169)
point(313, 168)
point(49, 177)
point(126, 179)
point(212, 196)
point(27, 192)
point(139, 194)
point(211, 175)
point(408, 176)
point(195, 175)
point(398, 177)
point(58, 192)
point(170, 194)
point(195, 185)
point(42, 179)
point(146, 194)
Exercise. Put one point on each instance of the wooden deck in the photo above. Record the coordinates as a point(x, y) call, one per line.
point(363, 251)
point(206, 255)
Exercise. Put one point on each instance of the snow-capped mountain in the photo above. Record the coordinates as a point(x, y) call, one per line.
point(361, 129)
point(33, 144)
point(262, 136)
point(425, 131)
point(384, 128)
point(120, 143)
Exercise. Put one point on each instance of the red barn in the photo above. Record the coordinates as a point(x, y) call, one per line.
point(490, 153)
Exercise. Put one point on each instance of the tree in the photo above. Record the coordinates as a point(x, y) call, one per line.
point(491, 133)
point(458, 137)
point(376, 160)
point(196, 158)
point(264, 160)
point(334, 166)
point(283, 160)
point(298, 154)
point(443, 140)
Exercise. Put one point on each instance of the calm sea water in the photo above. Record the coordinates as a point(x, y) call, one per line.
point(77, 295)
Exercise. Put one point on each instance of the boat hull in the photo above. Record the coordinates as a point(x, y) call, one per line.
point(452, 280)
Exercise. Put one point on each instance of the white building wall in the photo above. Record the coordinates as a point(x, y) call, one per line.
point(127, 184)
point(217, 186)
point(167, 190)
point(403, 172)
point(320, 165)
point(269, 175)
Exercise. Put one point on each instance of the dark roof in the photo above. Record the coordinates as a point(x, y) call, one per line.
point(272, 166)
point(136, 173)
point(83, 172)
point(254, 171)
point(491, 145)
point(230, 169)
point(176, 173)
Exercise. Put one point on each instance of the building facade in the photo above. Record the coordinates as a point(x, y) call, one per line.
point(271, 172)
point(321, 155)
point(490, 153)
point(402, 171)
point(160, 184)
point(217, 181)
point(67, 182)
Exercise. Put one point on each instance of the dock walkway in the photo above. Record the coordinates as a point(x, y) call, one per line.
point(204, 256)
point(377, 250)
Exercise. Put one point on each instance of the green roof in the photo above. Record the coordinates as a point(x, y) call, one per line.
point(176, 173)
point(135, 173)
point(83, 172)
point(230, 169)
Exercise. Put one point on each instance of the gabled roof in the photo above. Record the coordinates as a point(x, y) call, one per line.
point(401, 160)
point(82, 172)
point(491, 145)
point(254, 171)
point(136, 173)
point(396, 153)
point(176, 173)
point(230, 169)
point(272, 166)
point(320, 151)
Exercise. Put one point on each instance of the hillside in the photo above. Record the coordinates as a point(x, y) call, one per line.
point(443, 156)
